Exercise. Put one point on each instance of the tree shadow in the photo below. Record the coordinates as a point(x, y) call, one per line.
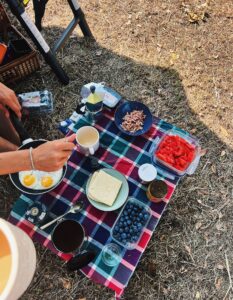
point(162, 90)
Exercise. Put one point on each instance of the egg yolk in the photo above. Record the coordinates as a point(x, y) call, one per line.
point(29, 179)
point(46, 181)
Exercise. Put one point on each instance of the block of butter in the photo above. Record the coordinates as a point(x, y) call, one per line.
point(104, 188)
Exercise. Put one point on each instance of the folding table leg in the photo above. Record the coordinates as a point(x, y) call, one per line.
point(79, 19)
point(78, 13)
point(18, 10)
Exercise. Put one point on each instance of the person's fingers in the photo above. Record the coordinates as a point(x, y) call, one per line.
point(70, 138)
point(65, 157)
point(15, 100)
point(5, 111)
point(15, 106)
point(18, 113)
point(65, 146)
point(62, 162)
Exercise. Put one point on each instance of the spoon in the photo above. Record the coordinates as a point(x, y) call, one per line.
point(74, 209)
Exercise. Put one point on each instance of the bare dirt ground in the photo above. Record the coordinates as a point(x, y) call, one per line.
point(151, 51)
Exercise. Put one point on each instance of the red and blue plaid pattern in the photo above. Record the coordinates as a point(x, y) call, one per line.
point(118, 151)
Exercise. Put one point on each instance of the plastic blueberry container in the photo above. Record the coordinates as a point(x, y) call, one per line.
point(130, 242)
point(190, 169)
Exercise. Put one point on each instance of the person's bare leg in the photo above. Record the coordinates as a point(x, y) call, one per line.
point(9, 139)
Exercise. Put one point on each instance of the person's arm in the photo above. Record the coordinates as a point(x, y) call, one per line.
point(14, 161)
point(5, 145)
point(9, 99)
point(50, 156)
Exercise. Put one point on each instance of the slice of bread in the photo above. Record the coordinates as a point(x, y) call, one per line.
point(104, 188)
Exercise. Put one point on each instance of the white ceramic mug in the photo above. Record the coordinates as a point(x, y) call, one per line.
point(17, 261)
point(87, 138)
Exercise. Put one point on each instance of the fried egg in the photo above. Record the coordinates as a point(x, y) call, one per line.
point(49, 179)
point(39, 180)
point(46, 181)
point(28, 179)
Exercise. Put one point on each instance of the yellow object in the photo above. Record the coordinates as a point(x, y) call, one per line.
point(104, 188)
point(5, 261)
point(25, 2)
point(29, 179)
point(46, 181)
point(94, 98)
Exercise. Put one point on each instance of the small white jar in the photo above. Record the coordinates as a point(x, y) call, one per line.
point(147, 173)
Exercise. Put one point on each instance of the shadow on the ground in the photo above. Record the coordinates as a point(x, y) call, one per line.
point(167, 260)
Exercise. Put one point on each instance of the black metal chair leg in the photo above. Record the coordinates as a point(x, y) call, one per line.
point(19, 11)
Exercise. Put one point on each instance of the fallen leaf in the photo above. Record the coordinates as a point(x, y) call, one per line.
point(82, 299)
point(198, 225)
point(138, 15)
point(218, 283)
point(173, 58)
point(221, 247)
point(158, 49)
point(223, 153)
point(219, 226)
point(213, 168)
point(98, 52)
point(194, 130)
point(220, 267)
point(196, 13)
point(206, 237)
point(224, 131)
point(66, 283)
point(220, 215)
point(198, 295)
point(152, 268)
point(195, 17)
point(182, 270)
point(163, 237)
point(165, 291)
point(188, 249)
point(203, 152)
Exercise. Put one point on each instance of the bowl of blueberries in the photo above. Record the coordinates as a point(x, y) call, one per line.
point(128, 227)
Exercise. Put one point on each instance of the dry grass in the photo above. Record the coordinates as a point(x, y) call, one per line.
point(148, 50)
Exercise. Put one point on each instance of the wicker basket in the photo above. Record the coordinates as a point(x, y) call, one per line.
point(21, 67)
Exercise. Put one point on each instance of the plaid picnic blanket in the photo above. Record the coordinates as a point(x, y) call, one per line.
point(118, 151)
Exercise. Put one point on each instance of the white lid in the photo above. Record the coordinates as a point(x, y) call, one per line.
point(147, 172)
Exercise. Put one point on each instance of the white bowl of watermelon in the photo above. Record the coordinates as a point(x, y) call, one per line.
point(177, 152)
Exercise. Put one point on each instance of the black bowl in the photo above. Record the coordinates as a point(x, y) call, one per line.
point(128, 107)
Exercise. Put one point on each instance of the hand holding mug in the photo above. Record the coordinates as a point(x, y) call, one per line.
point(87, 138)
